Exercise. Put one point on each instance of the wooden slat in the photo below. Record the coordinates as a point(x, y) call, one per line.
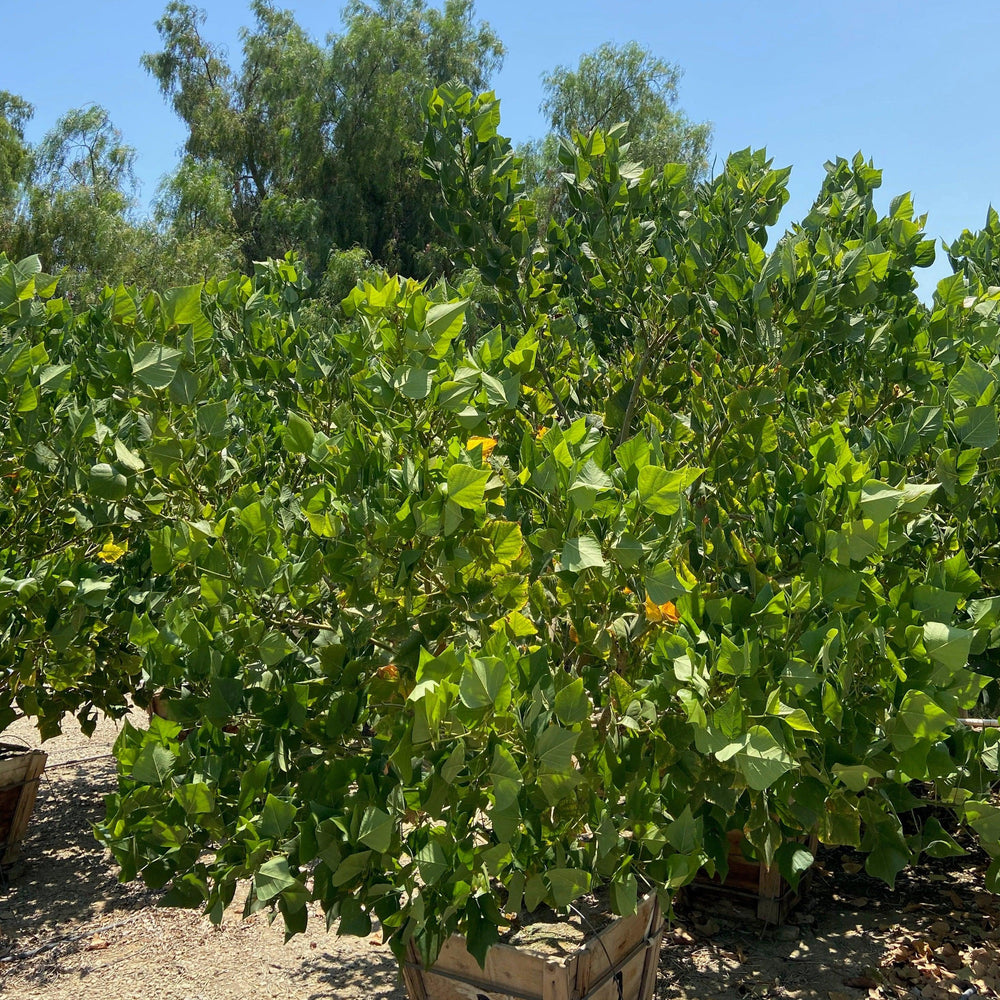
point(24, 770)
point(513, 974)
point(652, 962)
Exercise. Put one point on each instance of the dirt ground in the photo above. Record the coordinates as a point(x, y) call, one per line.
point(69, 929)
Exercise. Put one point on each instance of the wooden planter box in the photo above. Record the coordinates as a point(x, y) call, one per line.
point(516, 973)
point(753, 882)
point(20, 772)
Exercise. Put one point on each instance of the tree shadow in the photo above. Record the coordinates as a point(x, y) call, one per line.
point(63, 878)
point(376, 975)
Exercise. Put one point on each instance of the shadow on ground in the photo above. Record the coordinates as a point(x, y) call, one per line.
point(63, 877)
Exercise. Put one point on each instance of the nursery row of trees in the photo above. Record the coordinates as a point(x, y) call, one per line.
point(302, 146)
point(480, 593)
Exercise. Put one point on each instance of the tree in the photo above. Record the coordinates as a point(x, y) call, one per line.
point(78, 197)
point(255, 134)
point(15, 155)
point(380, 68)
point(317, 147)
point(617, 83)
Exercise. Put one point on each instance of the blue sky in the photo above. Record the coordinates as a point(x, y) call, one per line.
point(909, 84)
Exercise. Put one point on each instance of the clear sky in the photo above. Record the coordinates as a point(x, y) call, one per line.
point(911, 84)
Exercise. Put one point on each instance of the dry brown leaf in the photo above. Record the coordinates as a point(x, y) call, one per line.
point(862, 982)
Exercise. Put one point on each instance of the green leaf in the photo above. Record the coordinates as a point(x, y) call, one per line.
point(276, 817)
point(976, 426)
point(444, 323)
point(660, 489)
point(431, 862)
point(155, 365)
point(376, 830)
point(182, 305)
point(588, 485)
point(299, 435)
point(887, 860)
point(505, 540)
point(685, 834)
point(412, 381)
point(154, 765)
point(354, 920)
point(663, 584)
point(947, 645)
point(879, 501)
point(581, 553)
point(107, 483)
point(567, 884)
point(351, 868)
point(555, 749)
point(918, 719)
point(273, 878)
point(624, 895)
point(793, 860)
point(572, 704)
point(195, 798)
point(467, 486)
point(505, 778)
point(856, 776)
point(485, 684)
point(761, 759)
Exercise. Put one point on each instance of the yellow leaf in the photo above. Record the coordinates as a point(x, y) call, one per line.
point(112, 552)
point(488, 445)
point(660, 614)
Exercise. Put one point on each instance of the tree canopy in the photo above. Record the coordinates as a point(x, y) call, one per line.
point(612, 84)
point(314, 146)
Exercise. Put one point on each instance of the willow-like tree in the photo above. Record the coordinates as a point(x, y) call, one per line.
point(315, 146)
point(616, 83)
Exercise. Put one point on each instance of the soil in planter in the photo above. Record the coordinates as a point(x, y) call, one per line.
point(548, 933)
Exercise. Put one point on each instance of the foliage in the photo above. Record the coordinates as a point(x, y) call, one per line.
point(977, 255)
point(692, 535)
point(615, 83)
point(312, 147)
point(15, 157)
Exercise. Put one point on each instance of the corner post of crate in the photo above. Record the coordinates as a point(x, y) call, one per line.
point(412, 975)
point(654, 936)
point(556, 982)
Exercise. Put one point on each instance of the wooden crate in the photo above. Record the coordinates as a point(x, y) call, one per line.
point(754, 883)
point(631, 943)
point(20, 772)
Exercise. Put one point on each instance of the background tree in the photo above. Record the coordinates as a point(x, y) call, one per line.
point(79, 196)
point(15, 155)
point(316, 147)
point(254, 134)
point(15, 164)
point(616, 83)
point(379, 71)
